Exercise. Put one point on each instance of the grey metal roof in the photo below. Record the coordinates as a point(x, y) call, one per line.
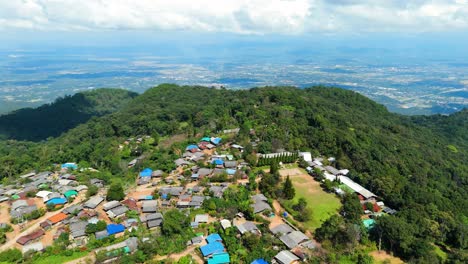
point(288, 241)
point(293, 239)
point(101, 234)
point(109, 205)
point(298, 237)
point(78, 229)
point(154, 223)
point(201, 218)
point(143, 180)
point(154, 216)
point(93, 202)
point(247, 227)
point(18, 204)
point(132, 243)
point(332, 170)
point(184, 197)
point(198, 198)
point(197, 240)
point(23, 211)
point(260, 206)
point(286, 257)
point(38, 246)
point(259, 197)
point(218, 171)
point(117, 211)
point(73, 208)
point(204, 172)
point(96, 181)
point(281, 229)
point(181, 162)
point(157, 173)
point(149, 206)
point(230, 164)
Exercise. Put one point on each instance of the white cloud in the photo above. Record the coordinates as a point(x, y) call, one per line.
point(237, 16)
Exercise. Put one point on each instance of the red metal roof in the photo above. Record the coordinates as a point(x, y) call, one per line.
point(57, 218)
point(34, 235)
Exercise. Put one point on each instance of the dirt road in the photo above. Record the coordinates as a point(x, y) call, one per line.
point(189, 251)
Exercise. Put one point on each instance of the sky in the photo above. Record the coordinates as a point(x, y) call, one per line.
point(288, 17)
point(60, 24)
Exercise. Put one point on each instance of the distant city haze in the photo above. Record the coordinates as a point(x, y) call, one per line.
point(410, 56)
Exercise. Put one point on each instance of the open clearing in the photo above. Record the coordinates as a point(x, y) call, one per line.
point(321, 203)
point(381, 256)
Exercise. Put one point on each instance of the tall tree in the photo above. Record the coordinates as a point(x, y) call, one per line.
point(115, 192)
point(288, 189)
point(352, 209)
point(175, 222)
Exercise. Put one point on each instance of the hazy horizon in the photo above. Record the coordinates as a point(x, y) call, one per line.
point(404, 55)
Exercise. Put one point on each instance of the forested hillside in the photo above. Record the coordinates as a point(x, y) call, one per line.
point(418, 165)
point(53, 119)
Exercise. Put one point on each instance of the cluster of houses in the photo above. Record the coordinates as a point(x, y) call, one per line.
point(53, 189)
point(365, 196)
point(214, 251)
point(201, 160)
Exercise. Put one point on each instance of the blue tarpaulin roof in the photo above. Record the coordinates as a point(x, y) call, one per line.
point(115, 228)
point(218, 162)
point(213, 238)
point(216, 140)
point(219, 259)
point(57, 200)
point(230, 171)
point(368, 223)
point(207, 139)
point(212, 248)
point(189, 147)
point(146, 172)
point(259, 261)
point(70, 165)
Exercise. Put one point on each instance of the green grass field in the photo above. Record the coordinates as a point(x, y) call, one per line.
point(321, 203)
point(60, 258)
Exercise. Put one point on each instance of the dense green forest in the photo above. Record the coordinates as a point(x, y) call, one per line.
point(53, 119)
point(418, 165)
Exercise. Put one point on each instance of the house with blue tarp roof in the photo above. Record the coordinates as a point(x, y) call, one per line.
point(113, 229)
point(146, 172)
point(219, 258)
point(57, 201)
point(212, 248)
point(206, 139)
point(214, 238)
point(368, 223)
point(217, 162)
point(69, 165)
point(190, 147)
point(259, 261)
point(216, 140)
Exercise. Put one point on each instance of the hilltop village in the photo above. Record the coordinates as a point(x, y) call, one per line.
point(210, 205)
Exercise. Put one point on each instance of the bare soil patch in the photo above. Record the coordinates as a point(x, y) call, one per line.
point(381, 256)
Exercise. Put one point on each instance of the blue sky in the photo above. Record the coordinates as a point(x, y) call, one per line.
point(398, 24)
point(237, 16)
